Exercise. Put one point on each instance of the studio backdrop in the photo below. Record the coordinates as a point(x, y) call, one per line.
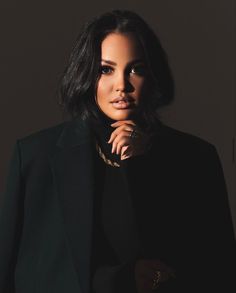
point(198, 36)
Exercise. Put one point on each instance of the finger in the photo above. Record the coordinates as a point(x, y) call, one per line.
point(121, 135)
point(118, 148)
point(122, 139)
point(125, 153)
point(124, 158)
point(116, 132)
point(112, 137)
point(114, 146)
point(122, 142)
point(113, 149)
point(123, 150)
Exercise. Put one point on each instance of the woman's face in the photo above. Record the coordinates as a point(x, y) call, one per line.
point(123, 78)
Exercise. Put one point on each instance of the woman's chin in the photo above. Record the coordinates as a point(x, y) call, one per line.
point(125, 114)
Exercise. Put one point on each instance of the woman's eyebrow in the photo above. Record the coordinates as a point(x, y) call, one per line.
point(130, 63)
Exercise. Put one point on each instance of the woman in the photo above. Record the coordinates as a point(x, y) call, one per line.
point(113, 200)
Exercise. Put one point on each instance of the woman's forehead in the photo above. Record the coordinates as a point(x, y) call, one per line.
point(118, 46)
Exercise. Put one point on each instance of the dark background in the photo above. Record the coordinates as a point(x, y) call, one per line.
point(199, 37)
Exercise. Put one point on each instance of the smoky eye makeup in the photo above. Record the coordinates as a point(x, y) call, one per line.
point(139, 69)
point(105, 69)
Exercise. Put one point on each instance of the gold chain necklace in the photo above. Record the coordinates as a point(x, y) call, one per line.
point(105, 159)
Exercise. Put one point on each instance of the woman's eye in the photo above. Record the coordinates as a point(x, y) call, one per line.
point(105, 70)
point(140, 70)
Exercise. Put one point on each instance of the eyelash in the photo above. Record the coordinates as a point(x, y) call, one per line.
point(104, 68)
point(139, 69)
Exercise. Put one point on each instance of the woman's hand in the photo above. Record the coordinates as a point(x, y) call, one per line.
point(122, 141)
point(145, 273)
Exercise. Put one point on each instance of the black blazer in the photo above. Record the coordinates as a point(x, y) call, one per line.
point(180, 201)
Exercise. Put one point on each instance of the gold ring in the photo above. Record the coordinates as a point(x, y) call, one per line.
point(133, 133)
point(156, 280)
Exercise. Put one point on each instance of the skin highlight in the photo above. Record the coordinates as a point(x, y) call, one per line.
point(122, 74)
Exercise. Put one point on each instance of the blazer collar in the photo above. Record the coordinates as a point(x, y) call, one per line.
point(76, 132)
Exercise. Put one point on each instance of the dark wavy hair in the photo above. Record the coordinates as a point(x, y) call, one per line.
point(77, 88)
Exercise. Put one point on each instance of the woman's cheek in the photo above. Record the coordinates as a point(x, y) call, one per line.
point(104, 85)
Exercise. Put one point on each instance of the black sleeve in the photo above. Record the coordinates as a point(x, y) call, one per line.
point(224, 245)
point(11, 218)
point(214, 250)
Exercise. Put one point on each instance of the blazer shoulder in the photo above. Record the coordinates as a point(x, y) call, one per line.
point(44, 136)
point(185, 142)
point(40, 143)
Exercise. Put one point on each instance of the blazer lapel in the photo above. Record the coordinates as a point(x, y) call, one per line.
point(72, 166)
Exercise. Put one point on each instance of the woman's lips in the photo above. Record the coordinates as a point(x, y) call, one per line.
point(123, 104)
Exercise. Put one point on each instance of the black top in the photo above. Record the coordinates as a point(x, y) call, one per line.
point(115, 238)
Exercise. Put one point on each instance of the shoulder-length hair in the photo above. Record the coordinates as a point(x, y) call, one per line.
point(77, 88)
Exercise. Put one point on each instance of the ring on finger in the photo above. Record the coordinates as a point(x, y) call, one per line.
point(133, 134)
point(156, 280)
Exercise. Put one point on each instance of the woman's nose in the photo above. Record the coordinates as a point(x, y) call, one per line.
point(121, 82)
